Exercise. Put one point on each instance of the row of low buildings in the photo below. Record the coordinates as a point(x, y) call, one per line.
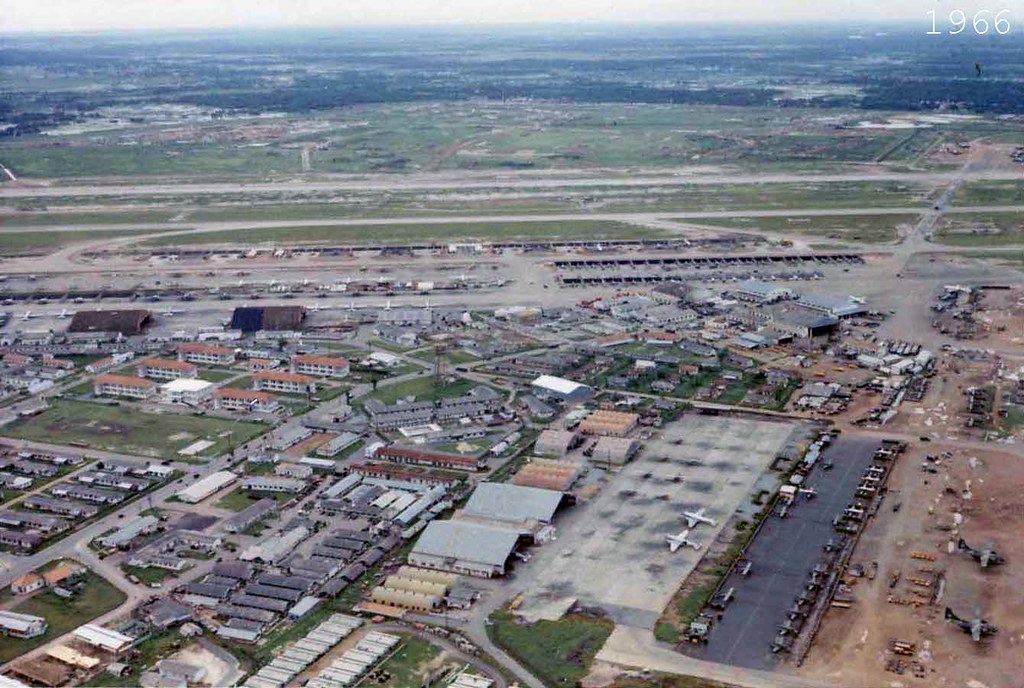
point(67, 504)
point(479, 401)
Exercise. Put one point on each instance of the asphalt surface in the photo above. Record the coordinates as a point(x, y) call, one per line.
point(783, 554)
point(474, 180)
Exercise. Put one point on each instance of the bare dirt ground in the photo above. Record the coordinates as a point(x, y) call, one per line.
point(984, 489)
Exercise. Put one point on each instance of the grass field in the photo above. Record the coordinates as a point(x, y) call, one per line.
point(423, 388)
point(559, 653)
point(39, 241)
point(97, 597)
point(860, 228)
point(409, 665)
point(981, 229)
point(1001, 192)
point(91, 160)
point(239, 499)
point(211, 375)
point(148, 575)
point(127, 430)
point(489, 136)
point(404, 233)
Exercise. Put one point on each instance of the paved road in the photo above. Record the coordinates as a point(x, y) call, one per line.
point(476, 630)
point(462, 181)
point(662, 220)
point(636, 647)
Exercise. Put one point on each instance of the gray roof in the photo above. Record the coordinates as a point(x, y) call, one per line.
point(507, 502)
point(835, 305)
point(467, 541)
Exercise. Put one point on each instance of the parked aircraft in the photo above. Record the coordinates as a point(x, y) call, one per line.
point(680, 540)
point(693, 518)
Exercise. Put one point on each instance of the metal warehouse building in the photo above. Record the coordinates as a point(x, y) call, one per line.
point(560, 388)
point(513, 503)
point(469, 548)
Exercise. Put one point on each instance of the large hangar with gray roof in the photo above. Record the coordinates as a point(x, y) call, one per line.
point(473, 549)
point(514, 504)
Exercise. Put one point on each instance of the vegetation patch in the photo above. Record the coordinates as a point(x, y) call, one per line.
point(128, 430)
point(559, 653)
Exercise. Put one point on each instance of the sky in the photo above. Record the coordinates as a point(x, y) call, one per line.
point(98, 15)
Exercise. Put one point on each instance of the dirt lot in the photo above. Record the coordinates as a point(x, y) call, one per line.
point(981, 486)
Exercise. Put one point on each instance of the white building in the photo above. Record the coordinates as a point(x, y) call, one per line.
point(206, 354)
point(205, 487)
point(21, 625)
point(320, 366)
point(288, 383)
point(269, 483)
point(185, 391)
point(245, 400)
point(160, 369)
point(561, 388)
point(124, 386)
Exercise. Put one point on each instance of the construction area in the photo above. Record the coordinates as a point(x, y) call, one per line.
point(950, 507)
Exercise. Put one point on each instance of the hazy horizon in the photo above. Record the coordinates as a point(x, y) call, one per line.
point(96, 16)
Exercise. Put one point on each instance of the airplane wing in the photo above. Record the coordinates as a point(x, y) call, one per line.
point(691, 521)
point(673, 545)
point(976, 631)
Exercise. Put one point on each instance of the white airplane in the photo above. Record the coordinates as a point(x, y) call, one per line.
point(27, 315)
point(680, 540)
point(857, 299)
point(63, 314)
point(169, 313)
point(693, 518)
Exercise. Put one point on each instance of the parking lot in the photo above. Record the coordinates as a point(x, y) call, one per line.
point(612, 552)
point(783, 554)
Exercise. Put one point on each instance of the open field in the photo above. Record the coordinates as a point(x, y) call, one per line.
point(423, 388)
point(860, 228)
point(475, 136)
point(239, 499)
point(22, 242)
point(981, 229)
point(96, 597)
point(128, 430)
point(1006, 192)
point(414, 661)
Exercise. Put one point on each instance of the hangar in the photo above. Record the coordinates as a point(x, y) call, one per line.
point(513, 503)
point(126, 322)
point(470, 548)
point(274, 318)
